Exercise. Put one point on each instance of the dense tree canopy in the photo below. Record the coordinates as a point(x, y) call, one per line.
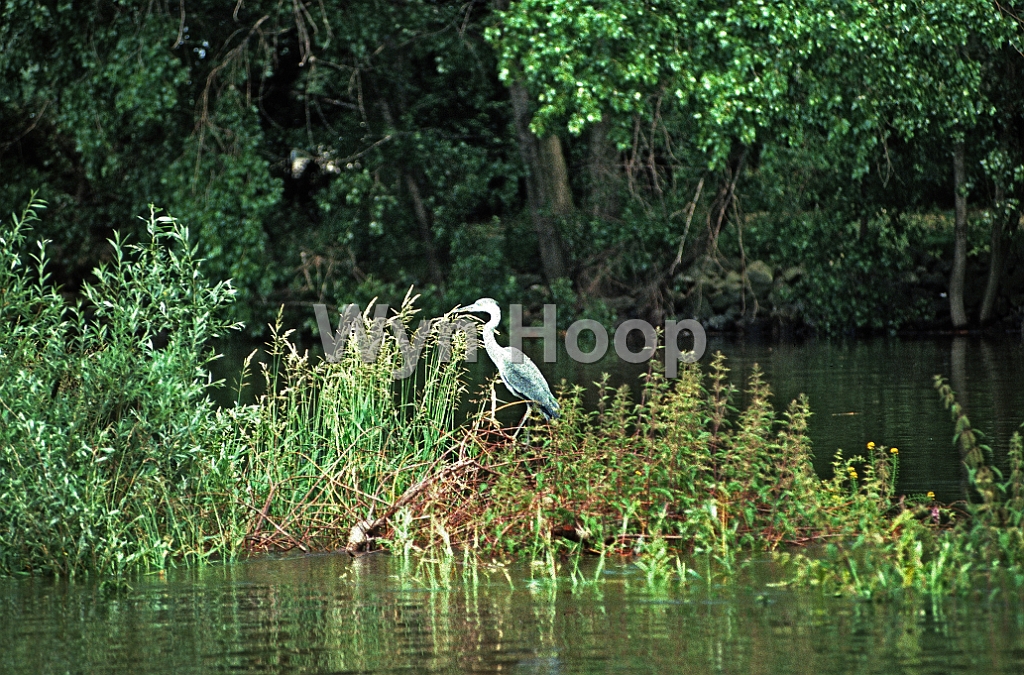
point(744, 162)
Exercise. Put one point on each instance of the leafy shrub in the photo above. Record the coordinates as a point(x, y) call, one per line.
point(110, 450)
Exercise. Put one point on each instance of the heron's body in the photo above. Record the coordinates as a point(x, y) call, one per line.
point(518, 372)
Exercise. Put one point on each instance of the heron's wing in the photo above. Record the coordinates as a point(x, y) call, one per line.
point(526, 381)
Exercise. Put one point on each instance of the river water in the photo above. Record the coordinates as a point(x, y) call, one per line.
point(335, 614)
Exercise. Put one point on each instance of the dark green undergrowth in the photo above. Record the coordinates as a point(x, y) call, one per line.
point(113, 459)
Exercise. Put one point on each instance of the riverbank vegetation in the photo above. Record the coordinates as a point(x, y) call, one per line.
point(111, 456)
point(812, 164)
point(114, 460)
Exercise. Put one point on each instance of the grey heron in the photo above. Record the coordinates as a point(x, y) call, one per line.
point(518, 372)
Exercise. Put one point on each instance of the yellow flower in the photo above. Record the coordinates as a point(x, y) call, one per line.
point(894, 451)
point(931, 495)
point(638, 473)
point(871, 445)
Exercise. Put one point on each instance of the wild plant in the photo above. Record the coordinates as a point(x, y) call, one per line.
point(112, 457)
point(681, 465)
point(918, 545)
point(334, 446)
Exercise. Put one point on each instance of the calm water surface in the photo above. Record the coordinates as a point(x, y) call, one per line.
point(334, 614)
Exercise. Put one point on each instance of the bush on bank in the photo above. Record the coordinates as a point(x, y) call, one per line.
point(111, 456)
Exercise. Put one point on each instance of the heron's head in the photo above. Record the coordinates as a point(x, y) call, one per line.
point(487, 305)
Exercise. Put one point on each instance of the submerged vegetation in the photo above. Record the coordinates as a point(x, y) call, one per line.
point(113, 459)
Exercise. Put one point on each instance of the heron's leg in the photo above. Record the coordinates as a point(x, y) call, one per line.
point(522, 422)
point(494, 405)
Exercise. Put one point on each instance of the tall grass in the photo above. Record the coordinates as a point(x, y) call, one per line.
point(336, 444)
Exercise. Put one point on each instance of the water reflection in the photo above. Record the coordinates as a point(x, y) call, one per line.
point(333, 614)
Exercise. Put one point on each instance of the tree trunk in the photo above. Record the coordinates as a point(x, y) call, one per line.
point(547, 181)
point(956, 279)
point(995, 264)
point(425, 232)
point(540, 191)
point(556, 176)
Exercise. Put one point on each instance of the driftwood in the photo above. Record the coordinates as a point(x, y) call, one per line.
point(362, 533)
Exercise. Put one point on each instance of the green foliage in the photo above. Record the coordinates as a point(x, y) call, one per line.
point(330, 153)
point(479, 269)
point(401, 94)
point(927, 547)
point(231, 217)
point(116, 106)
point(113, 457)
point(680, 467)
point(810, 94)
point(93, 102)
point(745, 66)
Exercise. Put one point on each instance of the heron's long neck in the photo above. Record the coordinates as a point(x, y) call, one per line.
point(489, 341)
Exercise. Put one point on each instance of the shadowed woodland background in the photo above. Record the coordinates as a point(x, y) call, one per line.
point(827, 165)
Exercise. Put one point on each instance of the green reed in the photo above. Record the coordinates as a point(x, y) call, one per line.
point(333, 444)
